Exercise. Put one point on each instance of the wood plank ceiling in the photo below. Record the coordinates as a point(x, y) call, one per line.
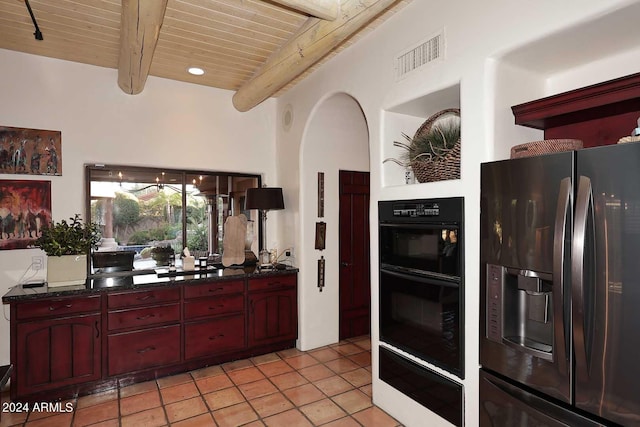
point(230, 39)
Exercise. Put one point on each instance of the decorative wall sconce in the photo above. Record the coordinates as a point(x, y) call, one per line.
point(321, 233)
point(321, 264)
point(320, 194)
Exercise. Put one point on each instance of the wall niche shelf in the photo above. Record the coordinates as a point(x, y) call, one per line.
point(407, 117)
point(599, 114)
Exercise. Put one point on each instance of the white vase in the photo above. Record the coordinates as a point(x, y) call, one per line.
point(66, 270)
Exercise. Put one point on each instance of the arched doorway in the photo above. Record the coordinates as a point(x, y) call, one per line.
point(335, 139)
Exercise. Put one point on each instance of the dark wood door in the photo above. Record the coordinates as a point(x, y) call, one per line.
point(355, 280)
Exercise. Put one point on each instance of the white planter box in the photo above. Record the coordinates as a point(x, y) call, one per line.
point(66, 270)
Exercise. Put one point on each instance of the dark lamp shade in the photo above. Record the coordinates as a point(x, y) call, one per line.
point(265, 198)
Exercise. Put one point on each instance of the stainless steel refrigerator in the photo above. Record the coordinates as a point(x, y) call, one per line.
point(560, 289)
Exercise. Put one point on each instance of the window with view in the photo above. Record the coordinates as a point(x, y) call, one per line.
point(150, 213)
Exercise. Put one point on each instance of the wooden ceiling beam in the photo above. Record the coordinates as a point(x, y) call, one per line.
point(139, 30)
point(317, 38)
point(323, 9)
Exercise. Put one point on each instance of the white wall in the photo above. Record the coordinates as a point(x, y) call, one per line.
point(336, 139)
point(170, 124)
point(479, 38)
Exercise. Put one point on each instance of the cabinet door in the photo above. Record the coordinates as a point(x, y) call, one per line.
point(58, 352)
point(272, 317)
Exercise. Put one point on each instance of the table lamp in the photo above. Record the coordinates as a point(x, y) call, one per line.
point(264, 199)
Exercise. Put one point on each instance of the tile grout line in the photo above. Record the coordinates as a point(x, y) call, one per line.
point(255, 363)
point(294, 406)
point(162, 405)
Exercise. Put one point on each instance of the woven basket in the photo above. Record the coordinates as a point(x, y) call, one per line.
point(444, 168)
point(537, 148)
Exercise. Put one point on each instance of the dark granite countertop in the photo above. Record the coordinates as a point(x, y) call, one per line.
point(95, 285)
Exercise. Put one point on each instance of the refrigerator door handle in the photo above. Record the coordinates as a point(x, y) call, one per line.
point(563, 211)
point(584, 200)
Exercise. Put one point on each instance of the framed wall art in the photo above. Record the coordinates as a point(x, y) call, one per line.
point(25, 207)
point(30, 151)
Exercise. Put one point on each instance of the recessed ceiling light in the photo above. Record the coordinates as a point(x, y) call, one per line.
point(196, 71)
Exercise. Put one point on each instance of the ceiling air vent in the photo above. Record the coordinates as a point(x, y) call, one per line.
point(419, 55)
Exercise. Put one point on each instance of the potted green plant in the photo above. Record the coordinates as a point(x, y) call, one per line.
point(67, 244)
point(162, 254)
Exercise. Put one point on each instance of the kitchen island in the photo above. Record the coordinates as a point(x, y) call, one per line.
point(75, 340)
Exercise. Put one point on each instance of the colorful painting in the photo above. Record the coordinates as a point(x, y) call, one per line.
point(25, 207)
point(30, 151)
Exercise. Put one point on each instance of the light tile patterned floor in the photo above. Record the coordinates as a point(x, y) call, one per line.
point(329, 386)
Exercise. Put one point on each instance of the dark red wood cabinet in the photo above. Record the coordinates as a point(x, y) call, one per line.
point(599, 114)
point(273, 313)
point(144, 329)
point(65, 346)
point(214, 319)
point(214, 336)
point(58, 343)
point(142, 349)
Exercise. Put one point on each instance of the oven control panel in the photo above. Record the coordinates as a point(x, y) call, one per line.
point(448, 210)
point(416, 209)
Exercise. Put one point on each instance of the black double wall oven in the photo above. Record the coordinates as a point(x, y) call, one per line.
point(422, 301)
point(421, 292)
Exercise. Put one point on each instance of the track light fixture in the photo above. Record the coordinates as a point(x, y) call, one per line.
point(38, 33)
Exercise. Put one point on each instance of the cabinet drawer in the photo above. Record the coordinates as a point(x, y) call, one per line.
point(134, 351)
point(58, 307)
point(145, 297)
point(214, 337)
point(213, 289)
point(213, 306)
point(139, 317)
point(272, 282)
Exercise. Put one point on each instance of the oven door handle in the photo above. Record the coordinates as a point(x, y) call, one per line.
point(422, 225)
point(421, 279)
